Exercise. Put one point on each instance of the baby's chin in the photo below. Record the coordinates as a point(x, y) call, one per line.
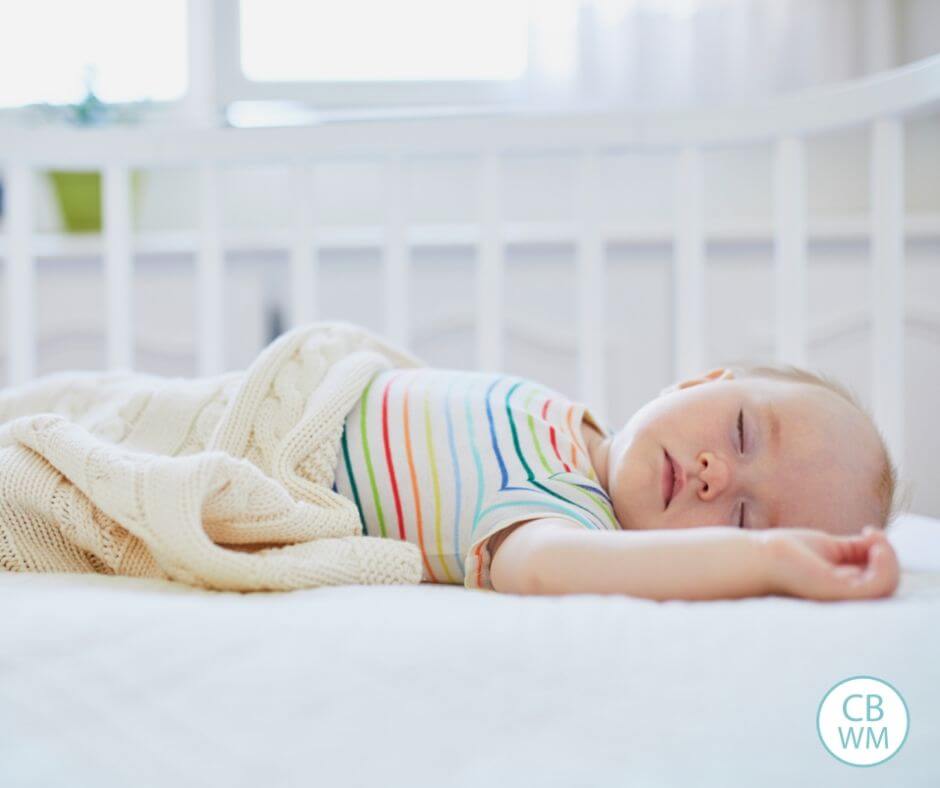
point(634, 481)
point(626, 515)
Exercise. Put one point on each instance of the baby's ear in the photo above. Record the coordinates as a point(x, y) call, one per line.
point(719, 373)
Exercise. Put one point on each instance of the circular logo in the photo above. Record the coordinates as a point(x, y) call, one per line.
point(862, 721)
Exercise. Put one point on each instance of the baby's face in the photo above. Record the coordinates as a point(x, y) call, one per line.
point(809, 459)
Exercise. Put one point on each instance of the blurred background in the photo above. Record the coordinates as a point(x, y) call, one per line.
point(263, 63)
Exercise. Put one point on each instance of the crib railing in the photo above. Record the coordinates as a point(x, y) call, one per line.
point(881, 103)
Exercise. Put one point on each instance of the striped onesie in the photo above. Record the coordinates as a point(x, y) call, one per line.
point(447, 458)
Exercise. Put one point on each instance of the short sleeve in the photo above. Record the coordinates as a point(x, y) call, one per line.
point(477, 563)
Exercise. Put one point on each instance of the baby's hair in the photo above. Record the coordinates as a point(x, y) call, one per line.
point(887, 480)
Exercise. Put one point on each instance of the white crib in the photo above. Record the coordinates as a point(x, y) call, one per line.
point(880, 104)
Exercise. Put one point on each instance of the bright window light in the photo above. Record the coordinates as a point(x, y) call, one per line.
point(381, 40)
point(137, 50)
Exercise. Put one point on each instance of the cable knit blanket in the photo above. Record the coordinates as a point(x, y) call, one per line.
point(221, 482)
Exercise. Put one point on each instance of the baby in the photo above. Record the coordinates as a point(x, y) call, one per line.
point(745, 481)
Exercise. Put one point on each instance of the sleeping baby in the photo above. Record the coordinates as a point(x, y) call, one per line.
point(745, 481)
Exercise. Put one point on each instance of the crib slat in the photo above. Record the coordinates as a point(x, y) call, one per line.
point(210, 274)
point(790, 251)
point(689, 268)
point(592, 290)
point(21, 274)
point(489, 289)
point(303, 256)
point(887, 261)
point(118, 266)
point(396, 254)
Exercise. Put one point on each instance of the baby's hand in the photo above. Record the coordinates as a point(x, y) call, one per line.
point(816, 565)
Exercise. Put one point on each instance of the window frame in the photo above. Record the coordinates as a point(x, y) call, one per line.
point(215, 80)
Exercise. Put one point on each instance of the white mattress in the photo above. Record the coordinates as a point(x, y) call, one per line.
point(108, 682)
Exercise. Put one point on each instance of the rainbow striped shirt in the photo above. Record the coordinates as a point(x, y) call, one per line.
point(446, 458)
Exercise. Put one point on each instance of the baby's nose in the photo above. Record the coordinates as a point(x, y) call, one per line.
point(714, 473)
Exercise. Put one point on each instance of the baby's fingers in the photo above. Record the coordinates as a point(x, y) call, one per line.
point(879, 578)
point(853, 549)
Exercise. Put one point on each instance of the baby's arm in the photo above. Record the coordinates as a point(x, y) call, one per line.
point(549, 556)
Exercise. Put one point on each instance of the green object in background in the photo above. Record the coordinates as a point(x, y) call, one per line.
point(79, 197)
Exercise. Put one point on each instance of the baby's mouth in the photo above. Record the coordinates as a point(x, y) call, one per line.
point(668, 479)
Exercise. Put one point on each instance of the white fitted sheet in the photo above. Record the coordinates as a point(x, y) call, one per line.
point(115, 682)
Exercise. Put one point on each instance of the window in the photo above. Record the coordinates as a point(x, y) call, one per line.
point(373, 54)
point(378, 40)
point(131, 51)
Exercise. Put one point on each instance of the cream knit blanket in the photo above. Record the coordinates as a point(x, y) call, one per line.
point(221, 482)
